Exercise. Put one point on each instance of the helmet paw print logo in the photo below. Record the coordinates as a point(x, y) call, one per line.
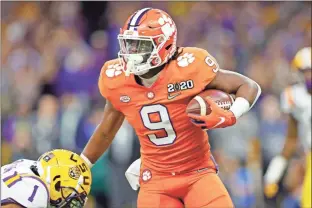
point(113, 70)
point(185, 59)
point(146, 175)
point(167, 26)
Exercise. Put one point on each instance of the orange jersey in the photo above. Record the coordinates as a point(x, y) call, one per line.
point(169, 141)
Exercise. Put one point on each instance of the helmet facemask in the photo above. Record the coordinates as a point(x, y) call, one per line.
point(72, 200)
point(139, 54)
point(67, 193)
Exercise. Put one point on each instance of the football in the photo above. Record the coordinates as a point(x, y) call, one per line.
point(199, 106)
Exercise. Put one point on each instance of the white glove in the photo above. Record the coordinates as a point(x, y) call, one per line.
point(133, 174)
point(275, 170)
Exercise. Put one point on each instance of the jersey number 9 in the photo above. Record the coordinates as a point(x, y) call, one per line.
point(164, 124)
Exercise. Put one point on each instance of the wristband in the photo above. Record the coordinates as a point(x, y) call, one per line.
point(239, 107)
point(86, 160)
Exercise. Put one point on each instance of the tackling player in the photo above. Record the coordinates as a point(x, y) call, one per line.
point(150, 85)
point(296, 102)
point(59, 178)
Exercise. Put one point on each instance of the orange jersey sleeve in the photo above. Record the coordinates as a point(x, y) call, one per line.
point(111, 79)
point(203, 70)
point(101, 82)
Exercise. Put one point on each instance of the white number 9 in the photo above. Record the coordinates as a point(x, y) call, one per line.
point(164, 124)
point(210, 62)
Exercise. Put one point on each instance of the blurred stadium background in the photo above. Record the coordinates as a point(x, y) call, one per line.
point(52, 53)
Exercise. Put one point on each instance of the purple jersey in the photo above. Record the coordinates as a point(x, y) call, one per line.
point(19, 185)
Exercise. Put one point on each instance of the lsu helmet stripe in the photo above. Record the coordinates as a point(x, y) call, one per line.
point(135, 19)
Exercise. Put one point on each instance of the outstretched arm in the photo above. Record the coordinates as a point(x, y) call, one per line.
point(279, 163)
point(291, 138)
point(103, 134)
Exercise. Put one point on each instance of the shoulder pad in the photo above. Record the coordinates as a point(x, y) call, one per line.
point(112, 68)
point(287, 100)
point(111, 76)
point(28, 191)
point(293, 97)
point(199, 53)
point(199, 63)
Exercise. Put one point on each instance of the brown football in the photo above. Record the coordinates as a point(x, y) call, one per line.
point(199, 106)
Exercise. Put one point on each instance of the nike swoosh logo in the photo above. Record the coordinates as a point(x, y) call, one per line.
point(170, 97)
point(222, 119)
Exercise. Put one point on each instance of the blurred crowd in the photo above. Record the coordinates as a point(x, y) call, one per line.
point(52, 53)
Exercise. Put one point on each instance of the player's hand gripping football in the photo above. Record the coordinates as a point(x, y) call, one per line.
point(218, 118)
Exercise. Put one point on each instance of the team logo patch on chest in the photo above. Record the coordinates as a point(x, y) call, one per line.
point(150, 95)
point(175, 89)
point(125, 99)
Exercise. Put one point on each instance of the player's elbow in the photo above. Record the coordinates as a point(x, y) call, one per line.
point(255, 87)
point(252, 90)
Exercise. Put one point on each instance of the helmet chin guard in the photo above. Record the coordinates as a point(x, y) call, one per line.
point(135, 57)
point(133, 62)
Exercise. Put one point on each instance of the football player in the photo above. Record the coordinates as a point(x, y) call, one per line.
point(296, 102)
point(150, 85)
point(59, 178)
